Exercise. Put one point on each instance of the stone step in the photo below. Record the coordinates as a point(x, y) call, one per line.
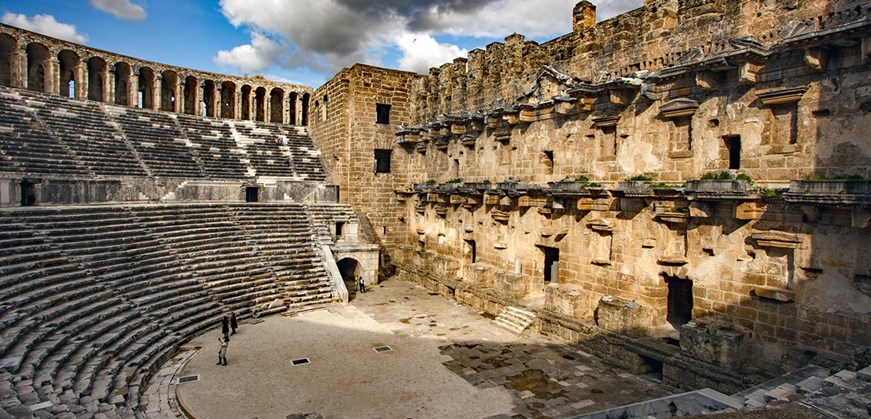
point(514, 319)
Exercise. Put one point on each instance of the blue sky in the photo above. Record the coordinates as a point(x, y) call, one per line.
point(302, 41)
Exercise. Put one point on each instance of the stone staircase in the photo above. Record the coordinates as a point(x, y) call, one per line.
point(515, 319)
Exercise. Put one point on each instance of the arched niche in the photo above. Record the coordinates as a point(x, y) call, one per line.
point(246, 102)
point(260, 104)
point(228, 100)
point(292, 99)
point(38, 67)
point(146, 88)
point(276, 105)
point(97, 73)
point(123, 73)
point(8, 45)
point(305, 99)
point(209, 93)
point(168, 91)
point(190, 95)
point(70, 66)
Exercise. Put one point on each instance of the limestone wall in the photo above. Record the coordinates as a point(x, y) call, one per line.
point(343, 124)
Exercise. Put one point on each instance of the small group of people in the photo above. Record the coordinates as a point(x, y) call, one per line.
point(228, 327)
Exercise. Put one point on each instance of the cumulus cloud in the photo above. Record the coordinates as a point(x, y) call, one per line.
point(122, 9)
point(252, 58)
point(421, 51)
point(46, 25)
point(326, 35)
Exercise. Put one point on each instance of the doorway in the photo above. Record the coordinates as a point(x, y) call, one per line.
point(252, 194)
point(551, 264)
point(349, 269)
point(472, 250)
point(680, 301)
point(28, 193)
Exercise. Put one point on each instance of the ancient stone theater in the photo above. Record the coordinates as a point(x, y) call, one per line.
point(679, 190)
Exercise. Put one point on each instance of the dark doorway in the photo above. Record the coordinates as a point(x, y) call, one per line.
point(551, 264)
point(680, 301)
point(252, 194)
point(473, 250)
point(28, 193)
point(349, 268)
point(733, 145)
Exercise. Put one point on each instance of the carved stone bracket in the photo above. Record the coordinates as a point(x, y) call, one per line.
point(781, 96)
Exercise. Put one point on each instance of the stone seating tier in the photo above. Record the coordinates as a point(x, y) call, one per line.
point(94, 299)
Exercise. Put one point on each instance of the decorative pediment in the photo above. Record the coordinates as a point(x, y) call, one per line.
point(781, 96)
point(678, 108)
point(548, 83)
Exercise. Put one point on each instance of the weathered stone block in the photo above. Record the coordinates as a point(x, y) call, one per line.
point(623, 316)
point(709, 342)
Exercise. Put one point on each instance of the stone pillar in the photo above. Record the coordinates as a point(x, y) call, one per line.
point(133, 90)
point(18, 69)
point(178, 92)
point(52, 76)
point(156, 91)
point(80, 75)
point(109, 92)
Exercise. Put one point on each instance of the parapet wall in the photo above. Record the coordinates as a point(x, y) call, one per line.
point(658, 35)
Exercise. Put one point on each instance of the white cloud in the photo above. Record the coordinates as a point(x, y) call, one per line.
point(46, 25)
point(421, 51)
point(252, 58)
point(122, 9)
point(326, 35)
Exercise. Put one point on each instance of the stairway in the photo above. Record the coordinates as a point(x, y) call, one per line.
point(514, 319)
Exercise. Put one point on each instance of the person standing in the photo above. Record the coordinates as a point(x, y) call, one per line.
point(233, 323)
point(362, 285)
point(222, 353)
point(225, 327)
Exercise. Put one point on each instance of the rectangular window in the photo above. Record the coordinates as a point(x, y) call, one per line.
point(382, 161)
point(733, 145)
point(382, 113)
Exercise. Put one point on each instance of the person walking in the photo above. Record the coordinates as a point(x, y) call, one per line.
point(362, 285)
point(222, 353)
point(233, 323)
point(225, 327)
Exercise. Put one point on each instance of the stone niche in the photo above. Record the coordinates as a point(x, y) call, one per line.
point(624, 316)
point(713, 343)
point(567, 300)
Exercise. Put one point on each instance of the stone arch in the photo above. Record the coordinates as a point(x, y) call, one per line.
point(305, 100)
point(70, 66)
point(123, 73)
point(246, 102)
point(260, 104)
point(97, 73)
point(228, 100)
point(350, 268)
point(38, 68)
point(8, 46)
point(292, 99)
point(190, 95)
point(146, 88)
point(169, 91)
point(276, 105)
point(209, 95)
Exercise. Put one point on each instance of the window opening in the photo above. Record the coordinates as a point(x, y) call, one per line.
point(733, 145)
point(382, 113)
point(382, 161)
